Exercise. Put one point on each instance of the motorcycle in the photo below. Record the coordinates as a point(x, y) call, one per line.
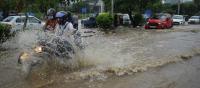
point(46, 51)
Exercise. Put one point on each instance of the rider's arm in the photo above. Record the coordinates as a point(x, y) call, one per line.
point(45, 25)
point(71, 29)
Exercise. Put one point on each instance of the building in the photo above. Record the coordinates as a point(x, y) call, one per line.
point(96, 5)
point(100, 5)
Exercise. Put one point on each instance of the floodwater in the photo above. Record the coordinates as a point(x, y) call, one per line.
point(127, 58)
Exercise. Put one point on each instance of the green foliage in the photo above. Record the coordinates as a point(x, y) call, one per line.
point(155, 7)
point(39, 15)
point(188, 8)
point(139, 6)
point(37, 6)
point(104, 21)
point(133, 6)
point(138, 19)
point(76, 7)
point(4, 32)
point(167, 8)
point(197, 3)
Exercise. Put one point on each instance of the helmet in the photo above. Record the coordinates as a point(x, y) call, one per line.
point(51, 12)
point(63, 16)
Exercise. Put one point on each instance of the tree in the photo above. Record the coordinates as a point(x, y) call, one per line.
point(189, 9)
point(34, 5)
point(197, 3)
point(76, 7)
point(130, 6)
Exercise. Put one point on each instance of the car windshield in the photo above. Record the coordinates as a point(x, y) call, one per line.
point(8, 19)
point(20, 20)
point(126, 16)
point(33, 20)
point(155, 17)
point(159, 17)
point(162, 17)
point(177, 17)
point(195, 17)
point(92, 18)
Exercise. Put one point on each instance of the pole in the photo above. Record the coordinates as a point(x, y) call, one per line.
point(112, 8)
point(179, 3)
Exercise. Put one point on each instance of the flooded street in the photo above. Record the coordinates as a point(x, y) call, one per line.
point(178, 75)
point(125, 59)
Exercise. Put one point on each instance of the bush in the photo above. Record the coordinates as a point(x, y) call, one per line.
point(5, 32)
point(138, 20)
point(104, 21)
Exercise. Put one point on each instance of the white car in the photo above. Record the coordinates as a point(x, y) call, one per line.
point(178, 19)
point(126, 19)
point(194, 20)
point(17, 22)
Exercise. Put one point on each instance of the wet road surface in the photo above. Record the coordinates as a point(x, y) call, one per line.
point(184, 74)
point(122, 60)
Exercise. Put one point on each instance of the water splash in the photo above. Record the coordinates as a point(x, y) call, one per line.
point(134, 51)
point(63, 54)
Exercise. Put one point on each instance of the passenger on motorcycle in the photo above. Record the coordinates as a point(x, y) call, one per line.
point(51, 20)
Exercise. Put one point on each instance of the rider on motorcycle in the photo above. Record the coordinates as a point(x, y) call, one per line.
point(65, 30)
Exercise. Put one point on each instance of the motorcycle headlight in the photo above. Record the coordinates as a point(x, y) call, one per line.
point(23, 57)
point(38, 49)
point(43, 23)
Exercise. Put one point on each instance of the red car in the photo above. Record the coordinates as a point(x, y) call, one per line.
point(161, 21)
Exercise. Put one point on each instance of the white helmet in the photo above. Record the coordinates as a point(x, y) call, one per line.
point(51, 12)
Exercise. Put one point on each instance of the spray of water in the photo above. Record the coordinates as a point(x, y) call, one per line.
point(25, 43)
point(132, 51)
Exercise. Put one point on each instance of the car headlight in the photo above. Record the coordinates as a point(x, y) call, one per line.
point(159, 23)
point(147, 23)
point(38, 49)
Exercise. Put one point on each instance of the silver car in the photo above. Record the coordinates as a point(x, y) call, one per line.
point(194, 20)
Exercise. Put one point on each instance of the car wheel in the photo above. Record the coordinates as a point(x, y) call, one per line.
point(164, 27)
